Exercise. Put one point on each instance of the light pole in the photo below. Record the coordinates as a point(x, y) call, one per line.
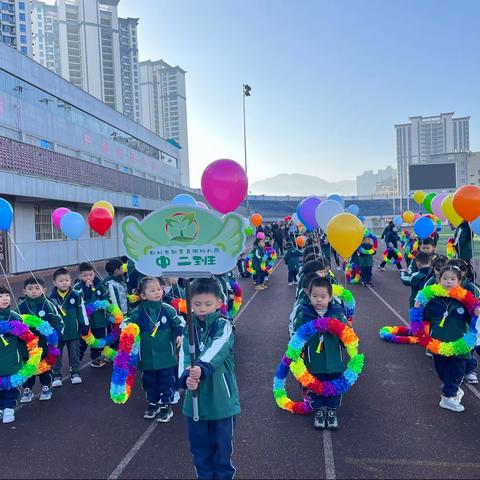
point(245, 93)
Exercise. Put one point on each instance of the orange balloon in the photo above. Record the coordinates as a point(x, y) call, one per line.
point(466, 202)
point(300, 241)
point(256, 219)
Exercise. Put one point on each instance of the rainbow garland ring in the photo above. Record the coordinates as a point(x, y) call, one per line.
point(30, 367)
point(352, 273)
point(249, 264)
point(347, 298)
point(124, 365)
point(292, 360)
point(451, 251)
point(411, 249)
point(398, 334)
point(398, 257)
point(373, 249)
point(51, 335)
point(268, 261)
point(237, 297)
point(463, 345)
point(115, 314)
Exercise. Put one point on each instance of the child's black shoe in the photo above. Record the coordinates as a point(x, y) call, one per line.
point(332, 422)
point(166, 414)
point(319, 419)
point(151, 411)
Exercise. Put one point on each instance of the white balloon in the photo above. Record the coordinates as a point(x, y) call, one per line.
point(326, 211)
point(295, 220)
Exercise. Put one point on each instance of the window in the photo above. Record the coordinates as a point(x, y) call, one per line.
point(23, 28)
point(44, 229)
point(21, 5)
point(21, 16)
point(23, 50)
point(23, 38)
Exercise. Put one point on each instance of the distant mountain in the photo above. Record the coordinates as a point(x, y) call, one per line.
point(296, 184)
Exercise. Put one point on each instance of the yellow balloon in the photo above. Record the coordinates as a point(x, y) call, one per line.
point(451, 215)
point(345, 233)
point(419, 196)
point(408, 216)
point(104, 204)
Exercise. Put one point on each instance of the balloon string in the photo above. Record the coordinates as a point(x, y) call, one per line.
point(90, 261)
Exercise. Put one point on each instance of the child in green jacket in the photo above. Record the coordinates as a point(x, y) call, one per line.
point(292, 260)
point(12, 352)
point(71, 308)
point(211, 438)
point(160, 336)
point(323, 354)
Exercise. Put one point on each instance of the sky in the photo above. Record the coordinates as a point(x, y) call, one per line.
point(329, 78)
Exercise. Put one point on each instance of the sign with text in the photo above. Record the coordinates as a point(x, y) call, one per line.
point(183, 239)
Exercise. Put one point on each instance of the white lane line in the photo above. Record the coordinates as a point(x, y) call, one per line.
point(133, 451)
point(475, 391)
point(330, 473)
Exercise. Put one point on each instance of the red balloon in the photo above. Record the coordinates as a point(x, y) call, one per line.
point(100, 220)
point(466, 202)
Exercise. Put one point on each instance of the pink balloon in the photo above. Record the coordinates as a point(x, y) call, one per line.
point(224, 185)
point(202, 205)
point(436, 206)
point(57, 215)
point(416, 216)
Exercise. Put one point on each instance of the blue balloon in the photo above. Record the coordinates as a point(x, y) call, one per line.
point(361, 218)
point(337, 198)
point(6, 214)
point(424, 227)
point(476, 226)
point(72, 225)
point(184, 199)
point(354, 209)
point(397, 221)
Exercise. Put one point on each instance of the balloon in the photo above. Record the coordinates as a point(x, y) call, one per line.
point(416, 216)
point(326, 211)
point(427, 201)
point(419, 196)
point(447, 208)
point(72, 225)
point(100, 220)
point(57, 215)
point(466, 202)
point(336, 198)
point(345, 233)
point(361, 218)
point(261, 236)
point(256, 219)
point(249, 231)
point(476, 226)
point(300, 241)
point(397, 220)
point(353, 209)
point(183, 199)
point(104, 204)
point(437, 206)
point(424, 227)
point(408, 216)
point(306, 212)
point(6, 214)
point(202, 205)
point(295, 220)
point(224, 185)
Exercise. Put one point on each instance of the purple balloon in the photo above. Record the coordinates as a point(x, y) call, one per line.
point(202, 205)
point(436, 206)
point(57, 215)
point(306, 212)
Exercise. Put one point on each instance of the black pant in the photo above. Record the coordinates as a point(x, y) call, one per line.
point(45, 380)
point(260, 277)
point(8, 398)
point(450, 370)
point(94, 352)
point(292, 276)
point(159, 385)
point(391, 254)
point(211, 444)
point(366, 273)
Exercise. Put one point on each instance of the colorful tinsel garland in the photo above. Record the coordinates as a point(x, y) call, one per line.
point(411, 249)
point(180, 305)
point(124, 365)
point(347, 298)
point(352, 273)
point(397, 334)
point(28, 368)
point(397, 258)
point(237, 297)
point(133, 298)
point(51, 335)
point(292, 360)
point(450, 249)
point(249, 264)
point(268, 261)
point(463, 345)
point(373, 249)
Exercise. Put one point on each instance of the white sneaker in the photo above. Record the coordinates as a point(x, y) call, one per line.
point(176, 398)
point(76, 379)
point(428, 354)
point(451, 403)
point(27, 396)
point(472, 377)
point(290, 284)
point(460, 394)
point(46, 393)
point(57, 382)
point(8, 415)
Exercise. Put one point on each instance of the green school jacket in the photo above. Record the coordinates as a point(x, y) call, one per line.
point(12, 349)
point(71, 309)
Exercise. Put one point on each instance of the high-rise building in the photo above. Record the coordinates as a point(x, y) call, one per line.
point(15, 25)
point(89, 46)
point(424, 138)
point(129, 68)
point(164, 106)
point(45, 43)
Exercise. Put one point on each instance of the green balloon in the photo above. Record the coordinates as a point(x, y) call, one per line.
point(249, 231)
point(427, 201)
